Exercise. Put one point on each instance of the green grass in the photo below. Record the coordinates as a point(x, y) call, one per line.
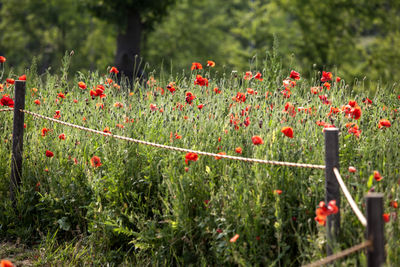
point(143, 207)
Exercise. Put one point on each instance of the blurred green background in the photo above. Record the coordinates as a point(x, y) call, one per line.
point(357, 38)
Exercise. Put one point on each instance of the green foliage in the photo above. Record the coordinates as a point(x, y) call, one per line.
point(47, 29)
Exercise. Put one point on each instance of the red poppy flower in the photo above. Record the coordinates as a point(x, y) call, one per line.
point(95, 161)
point(220, 153)
point(277, 191)
point(191, 157)
point(22, 78)
point(286, 93)
point(327, 85)
point(295, 75)
point(177, 136)
point(216, 90)
point(44, 131)
point(352, 103)
point(234, 238)
point(107, 130)
point(258, 76)
point(10, 81)
point(153, 107)
point(196, 66)
point(257, 140)
point(352, 169)
point(238, 150)
point(367, 101)
point(288, 131)
point(248, 75)
point(246, 121)
point(324, 99)
point(240, 97)
point(171, 87)
point(386, 217)
point(118, 105)
point(82, 85)
point(355, 130)
point(7, 101)
point(326, 76)
point(210, 63)
point(37, 102)
point(6, 263)
point(289, 108)
point(61, 95)
point(384, 123)
point(323, 211)
point(57, 115)
point(338, 79)
point(61, 136)
point(356, 113)
point(114, 70)
point(250, 91)
point(315, 90)
point(49, 154)
point(200, 106)
point(190, 97)
point(377, 176)
point(394, 204)
point(2, 59)
point(201, 81)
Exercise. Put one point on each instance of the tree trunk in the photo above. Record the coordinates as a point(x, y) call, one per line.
point(128, 47)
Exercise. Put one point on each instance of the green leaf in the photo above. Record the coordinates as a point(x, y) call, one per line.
point(370, 181)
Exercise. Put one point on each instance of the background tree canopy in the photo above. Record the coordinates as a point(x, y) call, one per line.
point(358, 36)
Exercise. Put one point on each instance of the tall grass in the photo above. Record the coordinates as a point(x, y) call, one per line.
point(145, 205)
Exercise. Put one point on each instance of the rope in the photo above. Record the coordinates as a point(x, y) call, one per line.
point(290, 164)
point(351, 201)
point(6, 109)
point(340, 254)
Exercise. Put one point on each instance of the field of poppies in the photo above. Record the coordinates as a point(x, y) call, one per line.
point(92, 199)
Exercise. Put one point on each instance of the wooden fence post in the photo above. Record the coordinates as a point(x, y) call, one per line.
point(376, 253)
point(332, 188)
point(18, 141)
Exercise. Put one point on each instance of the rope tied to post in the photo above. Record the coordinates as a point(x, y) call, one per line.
point(262, 161)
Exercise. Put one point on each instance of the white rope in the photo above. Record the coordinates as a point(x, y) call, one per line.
point(351, 201)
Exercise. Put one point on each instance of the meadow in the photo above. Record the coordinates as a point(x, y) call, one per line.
point(92, 199)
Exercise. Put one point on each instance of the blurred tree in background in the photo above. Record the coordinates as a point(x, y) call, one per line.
point(47, 29)
point(357, 36)
point(132, 19)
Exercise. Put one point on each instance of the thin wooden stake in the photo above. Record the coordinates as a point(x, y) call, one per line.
point(376, 254)
point(18, 141)
point(332, 188)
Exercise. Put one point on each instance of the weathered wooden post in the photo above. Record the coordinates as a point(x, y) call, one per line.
point(376, 253)
point(18, 141)
point(332, 188)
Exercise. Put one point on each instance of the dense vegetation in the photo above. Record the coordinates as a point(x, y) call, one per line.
point(87, 198)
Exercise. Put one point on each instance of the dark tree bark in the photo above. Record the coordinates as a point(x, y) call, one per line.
point(128, 47)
